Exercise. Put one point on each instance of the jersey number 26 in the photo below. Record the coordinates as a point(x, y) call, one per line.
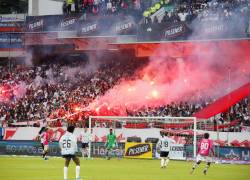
point(66, 143)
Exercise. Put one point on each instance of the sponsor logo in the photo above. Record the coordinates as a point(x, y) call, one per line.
point(138, 150)
point(67, 22)
point(174, 31)
point(246, 155)
point(10, 40)
point(232, 155)
point(89, 28)
point(36, 25)
point(123, 26)
point(215, 28)
point(11, 18)
point(177, 148)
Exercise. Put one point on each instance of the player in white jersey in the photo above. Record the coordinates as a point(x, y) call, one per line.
point(85, 139)
point(164, 145)
point(68, 145)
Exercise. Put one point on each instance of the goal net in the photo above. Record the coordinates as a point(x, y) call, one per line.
point(183, 130)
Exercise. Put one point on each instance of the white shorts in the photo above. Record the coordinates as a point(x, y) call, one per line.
point(46, 147)
point(203, 158)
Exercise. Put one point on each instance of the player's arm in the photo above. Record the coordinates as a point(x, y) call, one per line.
point(116, 143)
point(199, 146)
point(74, 144)
point(107, 141)
point(212, 148)
point(158, 145)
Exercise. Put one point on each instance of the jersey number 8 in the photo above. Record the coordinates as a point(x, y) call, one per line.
point(164, 144)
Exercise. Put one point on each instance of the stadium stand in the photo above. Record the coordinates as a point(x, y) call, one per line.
point(53, 91)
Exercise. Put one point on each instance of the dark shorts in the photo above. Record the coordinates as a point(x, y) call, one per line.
point(164, 154)
point(69, 156)
point(85, 145)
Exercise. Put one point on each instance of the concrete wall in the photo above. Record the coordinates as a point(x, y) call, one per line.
point(44, 7)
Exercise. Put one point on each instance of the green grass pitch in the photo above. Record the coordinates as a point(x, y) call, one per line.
point(35, 168)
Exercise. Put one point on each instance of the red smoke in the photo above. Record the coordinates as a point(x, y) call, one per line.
point(183, 73)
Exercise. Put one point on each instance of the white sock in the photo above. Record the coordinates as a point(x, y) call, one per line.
point(166, 162)
point(77, 172)
point(65, 172)
point(83, 153)
point(162, 162)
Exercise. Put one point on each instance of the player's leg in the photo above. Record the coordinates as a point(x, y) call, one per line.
point(83, 150)
point(166, 159)
point(108, 149)
point(65, 169)
point(43, 149)
point(163, 156)
point(86, 150)
point(162, 162)
point(77, 162)
point(199, 159)
point(45, 152)
point(195, 165)
point(206, 168)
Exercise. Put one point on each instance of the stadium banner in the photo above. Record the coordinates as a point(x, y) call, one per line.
point(175, 30)
point(99, 134)
point(176, 152)
point(107, 26)
point(245, 129)
point(93, 26)
point(52, 23)
point(12, 18)
point(11, 40)
point(1, 133)
point(219, 28)
point(234, 153)
point(11, 26)
point(138, 150)
point(88, 28)
point(34, 148)
point(125, 27)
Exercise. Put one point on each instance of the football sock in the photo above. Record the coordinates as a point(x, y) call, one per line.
point(206, 168)
point(77, 172)
point(196, 164)
point(65, 172)
point(166, 162)
point(83, 154)
point(162, 162)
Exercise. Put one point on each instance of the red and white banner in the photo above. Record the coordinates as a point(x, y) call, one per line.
point(99, 134)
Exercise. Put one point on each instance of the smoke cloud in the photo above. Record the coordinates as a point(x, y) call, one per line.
point(208, 71)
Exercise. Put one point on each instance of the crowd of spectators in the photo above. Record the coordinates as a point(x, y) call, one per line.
point(56, 90)
point(96, 7)
point(56, 93)
point(239, 113)
point(192, 12)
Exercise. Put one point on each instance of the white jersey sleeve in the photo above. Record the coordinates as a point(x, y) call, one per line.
point(85, 137)
point(42, 138)
point(68, 144)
